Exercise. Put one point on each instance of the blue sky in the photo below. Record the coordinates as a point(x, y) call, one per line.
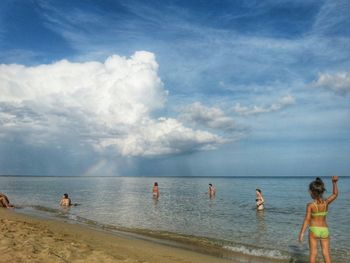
point(211, 88)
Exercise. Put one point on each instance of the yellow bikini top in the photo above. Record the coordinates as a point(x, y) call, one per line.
point(322, 213)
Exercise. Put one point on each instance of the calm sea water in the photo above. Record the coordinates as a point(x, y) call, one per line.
point(229, 220)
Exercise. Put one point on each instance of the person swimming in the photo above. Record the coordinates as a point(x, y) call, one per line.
point(4, 201)
point(315, 218)
point(65, 201)
point(211, 190)
point(155, 190)
point(259, 200)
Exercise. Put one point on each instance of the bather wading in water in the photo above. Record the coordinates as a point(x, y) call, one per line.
point(65, 201)
point(211, 191)
point(259, 200)
point(155, 191)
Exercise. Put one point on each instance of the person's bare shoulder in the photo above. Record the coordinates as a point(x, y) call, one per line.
point(309, 206)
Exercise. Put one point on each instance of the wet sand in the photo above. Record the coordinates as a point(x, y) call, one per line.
point(28, 239)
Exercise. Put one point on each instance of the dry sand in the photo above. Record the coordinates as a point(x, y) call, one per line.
point(28, 239)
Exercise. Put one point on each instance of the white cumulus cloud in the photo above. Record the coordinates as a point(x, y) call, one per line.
point(108, 105)
point(166, 136)
point(337, 82)
point(254, 110)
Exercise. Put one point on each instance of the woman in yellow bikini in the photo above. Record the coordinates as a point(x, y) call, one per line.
point(315, 218)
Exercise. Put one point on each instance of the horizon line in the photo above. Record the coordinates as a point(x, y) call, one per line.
point(174, 176)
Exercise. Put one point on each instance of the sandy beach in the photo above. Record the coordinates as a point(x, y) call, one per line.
point(28, 239)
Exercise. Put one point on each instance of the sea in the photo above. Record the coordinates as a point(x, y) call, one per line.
point(227, 225)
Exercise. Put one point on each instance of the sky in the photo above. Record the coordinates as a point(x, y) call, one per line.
point(175, 88)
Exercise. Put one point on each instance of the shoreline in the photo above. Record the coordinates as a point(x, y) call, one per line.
point(218, 249)
point(29, 239)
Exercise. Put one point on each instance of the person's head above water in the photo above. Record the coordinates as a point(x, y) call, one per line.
point(258, 190)
point(155, 184)
point(317, 188)
point(65, 195)
point(210, 185)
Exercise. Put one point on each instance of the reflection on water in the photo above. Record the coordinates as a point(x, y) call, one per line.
point(260, 226)
point(155, 202)
point(185, 207)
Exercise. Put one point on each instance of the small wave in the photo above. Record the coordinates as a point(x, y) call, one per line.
point(258, 252)
point(45, 209)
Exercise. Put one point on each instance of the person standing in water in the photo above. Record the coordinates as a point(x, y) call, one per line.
point(211, 190)
point(4, 201)
point(315, 219)
point(259, 200)
point(155, 191)
point(65, 201)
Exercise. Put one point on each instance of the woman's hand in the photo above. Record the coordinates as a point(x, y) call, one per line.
point(301, 237)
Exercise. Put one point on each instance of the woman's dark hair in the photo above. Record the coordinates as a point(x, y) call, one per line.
point(155, 184)
point(317, 187)
point(258, 190)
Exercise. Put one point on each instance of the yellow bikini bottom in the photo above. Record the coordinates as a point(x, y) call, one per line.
point(319, 231)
